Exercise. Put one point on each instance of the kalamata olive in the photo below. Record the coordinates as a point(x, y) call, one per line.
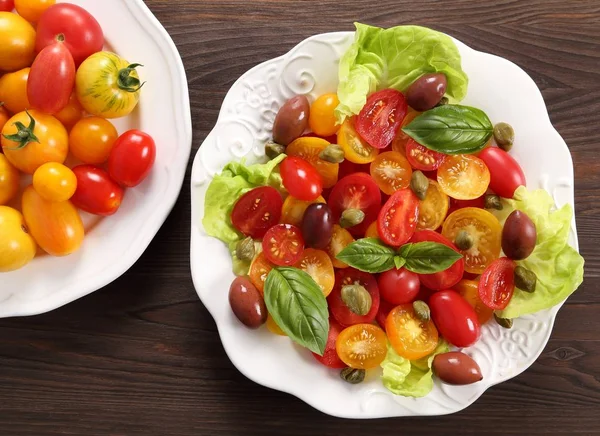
point(291, 120)
point(317, 226)
point(456, 368)
point(247, 303)
point(427, 91)
point(518, 236)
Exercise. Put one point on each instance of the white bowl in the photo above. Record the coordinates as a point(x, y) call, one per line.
point(112, 245)
point(497, 86)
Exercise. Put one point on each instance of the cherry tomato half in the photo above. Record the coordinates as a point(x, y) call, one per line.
point(469, 290)
point(301, 179)
point(398, 218)
point(434, 208)
point(340, 239)
point(283, 244)
point(422, 158)
point(96, 192)
point(399, 286)
point(317, 264)
point(380, 118)
point(391, 171)
point(362, 346)
point(443, 279)
point(356, 149)
point(259, 270)
point(455, 318)
point(339, 310)
point(506, 175)
point(330, 357)
point(257, 211)
point(463, 176)
point(497, 284)
point(410, 336)
point(356, 191)
point(131, 158)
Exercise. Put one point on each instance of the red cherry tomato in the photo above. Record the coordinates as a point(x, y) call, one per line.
point(301, 179)
point(384, 310)
point(398, 217)
point(72, 24)
point(506, 175)
point(356, 191)
point(443, 279)
point(422, 158)
point(283, 244)
point(347, 168)
point(131, 158)
point(455, 318)
point(7, 5)
point(351, 276)
point(330, 357)
point(380, 118)
point(51, 79)
point(497, 284)
point(257, 211)
point(399, 286)
point(96, 192)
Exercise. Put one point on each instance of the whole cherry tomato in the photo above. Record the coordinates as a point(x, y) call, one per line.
point(32, 10)
point(506, 175)
point(7, 5)
point(96, 192)
point(131, 158)
point(301, 179)
point(455, 318)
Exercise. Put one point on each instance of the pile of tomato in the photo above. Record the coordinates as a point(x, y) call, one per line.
point(58, 91)
point(369, 193)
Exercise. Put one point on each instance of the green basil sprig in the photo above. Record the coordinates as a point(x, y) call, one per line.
point(298, 307)
point(451, 129)
point(372, 256)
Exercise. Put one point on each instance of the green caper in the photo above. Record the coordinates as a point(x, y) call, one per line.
point(493, 201)
point(332, 153)
point(351, 218)
point(504, 136)
point(419, 184)
point(244, 250)
point(443, 101)
point(357, 299)
point(525, 279)
point(464, 240)
point(422, 310)
point(273, 149)
point(507, 323)
point(352, 375)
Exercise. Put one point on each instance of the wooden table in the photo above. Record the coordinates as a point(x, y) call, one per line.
point(149, 361)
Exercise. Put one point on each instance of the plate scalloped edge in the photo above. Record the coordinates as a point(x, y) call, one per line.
point(245, 123)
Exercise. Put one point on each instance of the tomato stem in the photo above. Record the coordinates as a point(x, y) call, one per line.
point(24, 134)
point(128, 83)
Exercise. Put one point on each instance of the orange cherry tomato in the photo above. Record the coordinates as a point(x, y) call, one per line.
point(356, 150)
point(32, 10)
point(463, 177)
point(4, 116)
point(54, 182)
point(411, 337)
point(9, 180)
point(72, 113)
point(308, 148)
point(362, 346)
point(91, 140)
point(259, 270)
point(322, 119)
point(433, 209)
point(486, 231)
point(293, 210)
point(391, 171)
point(17, 39)
point(340, 239)
point(13, 90)
point(317, 264)
point(401, 139)
point(469, 290)
point(372, 231)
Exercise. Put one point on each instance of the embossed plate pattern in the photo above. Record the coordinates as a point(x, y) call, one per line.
point(497, 86)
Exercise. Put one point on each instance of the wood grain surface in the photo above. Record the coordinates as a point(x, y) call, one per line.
point(143, 357)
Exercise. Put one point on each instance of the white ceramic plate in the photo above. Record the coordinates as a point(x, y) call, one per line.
point(112, 245)
point(497, 86)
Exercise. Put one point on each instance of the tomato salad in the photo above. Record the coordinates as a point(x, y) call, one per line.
point(58, 92)
point(384, 233)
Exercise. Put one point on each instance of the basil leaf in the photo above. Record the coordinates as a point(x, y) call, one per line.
point(399, 262)
point(451, 129)
point(369, 255)
point(298, 307)
point(428, 257)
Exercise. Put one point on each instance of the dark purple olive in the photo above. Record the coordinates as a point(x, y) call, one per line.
point(456, 368)
point(427, 91)
point(291, 120)
point(518, 236)
point(317, 226)
point(247, 303)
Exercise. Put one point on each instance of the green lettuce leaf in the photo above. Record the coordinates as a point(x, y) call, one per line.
point(394, 58)
point(226, 188)
point(559, 267)
point(409, 378)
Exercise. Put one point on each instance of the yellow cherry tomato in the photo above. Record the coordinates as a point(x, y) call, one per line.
point(463, 176)
point(340, 239)
point(322, 119)
point(55, 225)
point(273, 327)
point(107, 85)
point(17, 247)
point(293, 210)
point(372, 231)
point(71, 113)
point(309, 148)
point(362, 346)
point(355, 148)
point(317, 264)
point(92, 139)
point(44, 140)
point(17, 42)
point(433, 209)
point(9, 180)
point(32, 10)
point(391, 171)
point(13, 91)
point(54, 182)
